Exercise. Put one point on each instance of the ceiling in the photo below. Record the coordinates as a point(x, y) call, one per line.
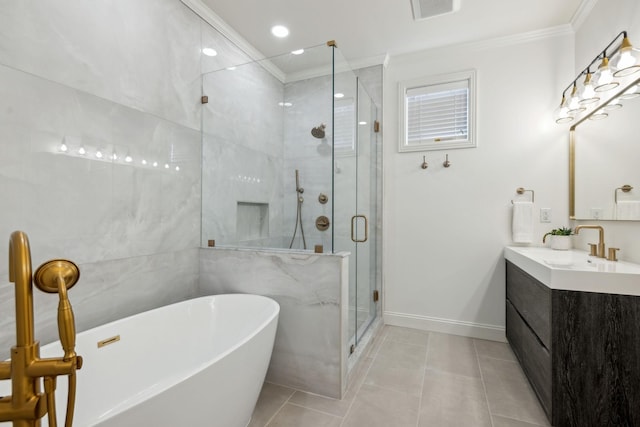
point(368, 30)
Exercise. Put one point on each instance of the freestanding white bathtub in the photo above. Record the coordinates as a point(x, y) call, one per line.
point(200, 362)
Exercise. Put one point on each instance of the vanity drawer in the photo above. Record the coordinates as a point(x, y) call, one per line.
point(532, 300)
point(533, 356)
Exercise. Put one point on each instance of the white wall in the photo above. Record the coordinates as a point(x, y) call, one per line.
point(445, 229)
point(605, 21)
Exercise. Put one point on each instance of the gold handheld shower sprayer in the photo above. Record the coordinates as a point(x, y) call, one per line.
point(27, 405)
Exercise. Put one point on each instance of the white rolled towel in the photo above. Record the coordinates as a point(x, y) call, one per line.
point(522, 225)
point(628, 210)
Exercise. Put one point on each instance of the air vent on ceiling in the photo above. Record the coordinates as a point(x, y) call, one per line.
point(423, 9)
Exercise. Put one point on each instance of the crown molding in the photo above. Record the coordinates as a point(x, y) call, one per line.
point(494, 43)
point(581, 14)
point(213, 19)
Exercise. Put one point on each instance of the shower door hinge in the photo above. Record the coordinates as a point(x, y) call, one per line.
point(376, 126)
point(204, 99)
point(376, 296)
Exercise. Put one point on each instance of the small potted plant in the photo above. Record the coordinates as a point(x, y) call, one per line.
point(560, 238)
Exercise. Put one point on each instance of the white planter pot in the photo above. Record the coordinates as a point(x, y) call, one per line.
point(561, 243)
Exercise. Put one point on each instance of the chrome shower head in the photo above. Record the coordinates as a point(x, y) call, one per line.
point(318, 132)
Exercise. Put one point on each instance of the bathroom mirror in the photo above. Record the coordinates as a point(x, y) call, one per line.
point(604, 153)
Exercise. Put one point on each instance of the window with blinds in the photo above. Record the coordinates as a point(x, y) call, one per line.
point(437, 113)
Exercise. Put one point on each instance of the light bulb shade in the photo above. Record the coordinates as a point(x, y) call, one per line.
point(614, 104)
point(603, 78)
point(574, 102)
point(588, 92)
point(562, 115)
point(632, 92)
point(626, 61)
point(599, 116)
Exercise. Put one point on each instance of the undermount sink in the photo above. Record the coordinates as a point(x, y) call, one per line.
point(576, 270)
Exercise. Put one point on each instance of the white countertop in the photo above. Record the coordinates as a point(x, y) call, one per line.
point(575, 270)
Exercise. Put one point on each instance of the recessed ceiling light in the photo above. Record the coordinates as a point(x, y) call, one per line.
point(339, 95)
point(297, 52)
point(209, 51)
point(280, 31)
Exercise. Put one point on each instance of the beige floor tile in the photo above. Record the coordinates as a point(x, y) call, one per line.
point(296, 416)
point(453, 400)
point(508, 422)
point(377, 407)
point(325, 404)
point(497, 350)
point(271, 399)
point(452, 354)
point(407, 335)
point(386, 374)
point(509, 393)
point(402, 355)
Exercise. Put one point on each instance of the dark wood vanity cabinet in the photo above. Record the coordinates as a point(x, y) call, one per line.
point(580, 351)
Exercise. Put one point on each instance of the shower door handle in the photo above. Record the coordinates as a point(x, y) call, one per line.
point(353, 228)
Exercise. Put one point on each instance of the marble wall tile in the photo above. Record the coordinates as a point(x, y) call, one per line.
point(309, 351)
point(79, 206)
point(107, 291)
point(143, 54)
point(119, 77)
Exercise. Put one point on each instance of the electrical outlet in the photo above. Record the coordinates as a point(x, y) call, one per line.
point(595, 213)
point(545, 214)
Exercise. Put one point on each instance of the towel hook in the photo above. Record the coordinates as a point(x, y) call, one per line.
point(521, 190)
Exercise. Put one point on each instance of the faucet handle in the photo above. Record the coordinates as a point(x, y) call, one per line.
point(593, 249)
point(612, 254)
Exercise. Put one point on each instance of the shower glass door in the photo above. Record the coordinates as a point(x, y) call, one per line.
point(354, 192)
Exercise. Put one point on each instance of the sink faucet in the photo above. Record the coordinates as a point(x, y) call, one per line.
point(600, 248)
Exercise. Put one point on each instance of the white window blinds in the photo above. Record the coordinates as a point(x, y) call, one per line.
point(438, 112)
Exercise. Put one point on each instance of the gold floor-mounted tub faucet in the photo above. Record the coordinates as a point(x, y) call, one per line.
point(26, 370)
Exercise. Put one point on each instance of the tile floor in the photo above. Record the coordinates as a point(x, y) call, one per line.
point(415, 378)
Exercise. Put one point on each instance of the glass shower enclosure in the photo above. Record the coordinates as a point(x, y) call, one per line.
point(290, 161)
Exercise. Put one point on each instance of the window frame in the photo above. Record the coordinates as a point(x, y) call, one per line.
point(443, 79)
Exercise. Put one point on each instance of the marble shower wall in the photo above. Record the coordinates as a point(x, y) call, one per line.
point(310, 349)
point(242, 157)
point(117, 77)
point(311, 107)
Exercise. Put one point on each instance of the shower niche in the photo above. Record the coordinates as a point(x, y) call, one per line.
point(252, 221)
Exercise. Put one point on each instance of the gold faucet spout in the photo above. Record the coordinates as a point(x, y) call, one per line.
point(601, 245)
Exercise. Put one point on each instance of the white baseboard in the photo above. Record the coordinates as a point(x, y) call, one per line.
point(447, 326)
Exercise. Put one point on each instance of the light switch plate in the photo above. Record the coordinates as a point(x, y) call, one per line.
point(545, 214)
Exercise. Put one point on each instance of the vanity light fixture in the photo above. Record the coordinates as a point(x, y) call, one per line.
point(604, 77)
point(632, 92)
point(614, 104)
point(627, 60)
point(624, 61)
point(588, 94)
